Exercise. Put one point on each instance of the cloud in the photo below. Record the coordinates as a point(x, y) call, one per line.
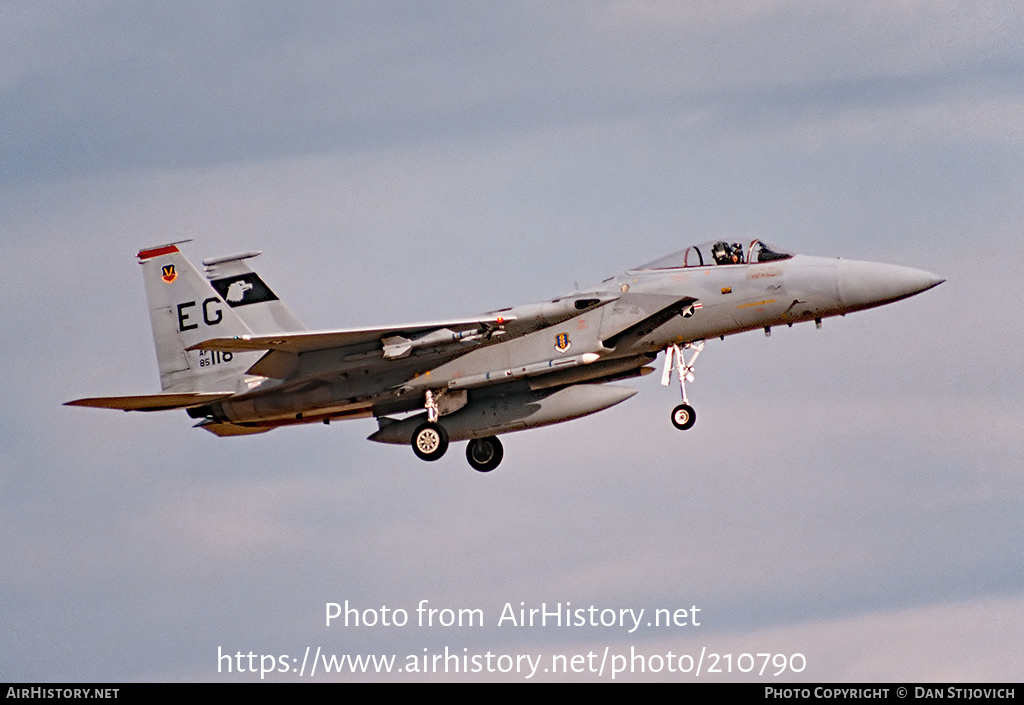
point(201, 83)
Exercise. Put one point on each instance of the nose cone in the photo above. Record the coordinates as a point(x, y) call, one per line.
point(867, 284)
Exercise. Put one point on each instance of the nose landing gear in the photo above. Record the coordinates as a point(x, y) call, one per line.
point(683, 416)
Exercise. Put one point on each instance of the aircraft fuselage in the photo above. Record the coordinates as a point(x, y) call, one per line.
point(728, 299)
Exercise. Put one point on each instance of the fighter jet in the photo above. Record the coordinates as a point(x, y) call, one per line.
point(235, 358)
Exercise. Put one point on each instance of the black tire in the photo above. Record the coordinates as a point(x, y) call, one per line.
point(683, 417)
point(484, 454)
point(429, 441)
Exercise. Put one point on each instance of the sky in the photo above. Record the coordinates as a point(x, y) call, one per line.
point(849, 501)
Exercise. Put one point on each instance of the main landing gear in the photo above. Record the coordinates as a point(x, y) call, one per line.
point(484, 454)
point(430, 442)
point(683, 416)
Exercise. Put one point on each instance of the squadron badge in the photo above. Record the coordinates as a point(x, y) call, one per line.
point(168, 273)
point(562, 342)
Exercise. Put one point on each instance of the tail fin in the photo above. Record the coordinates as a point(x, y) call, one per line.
point(248, 296)
point(185, 310)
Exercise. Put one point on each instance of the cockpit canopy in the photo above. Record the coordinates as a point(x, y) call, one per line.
point(719, 252)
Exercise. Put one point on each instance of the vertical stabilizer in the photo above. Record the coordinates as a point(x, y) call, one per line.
point(184, 310)
point(249, 296)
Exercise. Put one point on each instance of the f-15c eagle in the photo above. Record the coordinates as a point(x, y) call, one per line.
point(237, 359)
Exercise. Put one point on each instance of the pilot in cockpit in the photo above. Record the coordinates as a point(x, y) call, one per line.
point(736, 254)
point(724, 253)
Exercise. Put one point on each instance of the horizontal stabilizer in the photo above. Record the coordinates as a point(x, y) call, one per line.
point(152, 402)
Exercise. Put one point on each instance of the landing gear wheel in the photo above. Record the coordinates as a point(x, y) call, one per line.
point(484, 454)
point(683, 417)
point(429, 441)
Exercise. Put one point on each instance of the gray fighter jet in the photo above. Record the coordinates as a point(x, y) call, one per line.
point(237, 359)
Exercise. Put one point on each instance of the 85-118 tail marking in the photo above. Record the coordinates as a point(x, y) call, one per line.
point(209, 358)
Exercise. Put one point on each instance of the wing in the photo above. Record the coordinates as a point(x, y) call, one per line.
point(152, 402)
point(393, 342)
